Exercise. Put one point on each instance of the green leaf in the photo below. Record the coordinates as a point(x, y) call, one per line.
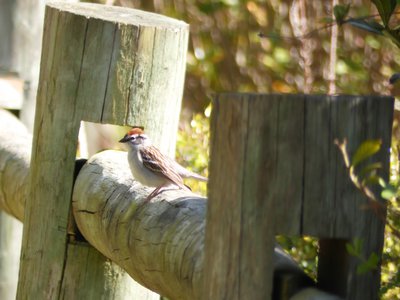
point(373, 27)
point(373, 261)
point(351, 250)
point(363, 268)
point(340, 12)
point(389, 192)
point(370, 264)
point(358, 243)
point(371, 180)
point(355, 248)
point(385, 9)
point(371, 168)
point(366, 149)
point(382, 182)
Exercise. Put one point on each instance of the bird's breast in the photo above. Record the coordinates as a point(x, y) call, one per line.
point(141, 173)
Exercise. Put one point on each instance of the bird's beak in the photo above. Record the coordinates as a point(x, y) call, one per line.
point(124, 139)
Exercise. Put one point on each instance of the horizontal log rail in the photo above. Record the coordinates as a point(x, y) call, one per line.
point(160, 244)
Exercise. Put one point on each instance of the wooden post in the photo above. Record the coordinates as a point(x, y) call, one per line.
point(275, 170)
point(100, 64)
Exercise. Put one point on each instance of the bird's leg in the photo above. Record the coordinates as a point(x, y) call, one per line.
point(162, 188)
point(154, 193)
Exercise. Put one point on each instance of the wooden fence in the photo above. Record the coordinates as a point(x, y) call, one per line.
point(120, 66)
point(276, 170)
point(160, 245)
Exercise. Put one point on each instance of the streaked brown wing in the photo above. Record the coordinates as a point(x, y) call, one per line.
point(157, 162)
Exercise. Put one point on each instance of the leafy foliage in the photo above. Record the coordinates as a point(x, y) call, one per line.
point(304, 250)
point(367, 264)
point(340, 12)
point(389, 191)
point(385, 9)
point(367, 148)
point(193, 147)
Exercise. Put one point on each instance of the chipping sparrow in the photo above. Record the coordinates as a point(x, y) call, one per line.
point(152, 168)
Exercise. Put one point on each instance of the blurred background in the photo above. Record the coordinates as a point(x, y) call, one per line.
point(275, 46)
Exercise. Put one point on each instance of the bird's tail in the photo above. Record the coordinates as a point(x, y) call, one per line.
point(185, 173)
point(197, 177)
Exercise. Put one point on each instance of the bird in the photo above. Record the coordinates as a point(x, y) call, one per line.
point(151, 167)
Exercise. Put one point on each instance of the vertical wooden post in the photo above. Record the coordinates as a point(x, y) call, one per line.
point(275, 170)
point(100, 64)
point(247, 147)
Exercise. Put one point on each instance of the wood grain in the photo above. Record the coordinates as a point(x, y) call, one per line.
point(89, 72)
point(276, 170)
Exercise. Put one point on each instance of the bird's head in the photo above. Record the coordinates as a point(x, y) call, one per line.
point(135, 138)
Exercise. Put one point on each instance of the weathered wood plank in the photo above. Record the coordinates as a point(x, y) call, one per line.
point(319, 184)
point(255, 243)
point(97, 56)
point(53, 157)
point(377, 124)
point(353, 118)
point(293, 180)
point(284, 193)
point(120, 75)
point(266, 153)
point(330, 199)
point(223, 237)
point(65, 97)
